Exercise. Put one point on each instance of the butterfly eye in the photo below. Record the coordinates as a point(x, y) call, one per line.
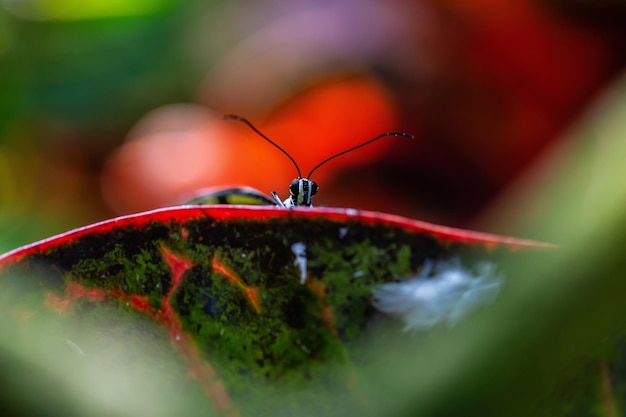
point(294, 187)
point(313, 186)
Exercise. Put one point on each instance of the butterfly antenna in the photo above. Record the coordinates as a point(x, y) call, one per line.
point(251, 126)
point(360, 146)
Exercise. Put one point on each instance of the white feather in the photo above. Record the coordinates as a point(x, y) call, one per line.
point(443, 291)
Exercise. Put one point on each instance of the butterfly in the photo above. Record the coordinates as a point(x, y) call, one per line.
point(301, 189)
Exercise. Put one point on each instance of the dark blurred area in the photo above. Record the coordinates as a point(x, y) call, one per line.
point(110, 107)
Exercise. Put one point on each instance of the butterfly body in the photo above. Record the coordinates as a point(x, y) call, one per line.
point(233, 195)
point(301, 190)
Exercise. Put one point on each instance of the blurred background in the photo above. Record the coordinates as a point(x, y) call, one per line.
point(518, 108)
point(113, 107)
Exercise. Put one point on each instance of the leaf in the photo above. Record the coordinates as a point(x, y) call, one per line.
point(259, 326)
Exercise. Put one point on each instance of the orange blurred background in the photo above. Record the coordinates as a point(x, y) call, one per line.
point(111, 108)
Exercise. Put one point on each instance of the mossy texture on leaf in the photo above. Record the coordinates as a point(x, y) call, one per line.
point(230, 295)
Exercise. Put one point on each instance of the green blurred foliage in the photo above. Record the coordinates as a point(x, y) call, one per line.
point(97, 364)
point(74, 77)
point(103, 71)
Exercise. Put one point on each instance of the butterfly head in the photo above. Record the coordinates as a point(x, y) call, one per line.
point(301, 190)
